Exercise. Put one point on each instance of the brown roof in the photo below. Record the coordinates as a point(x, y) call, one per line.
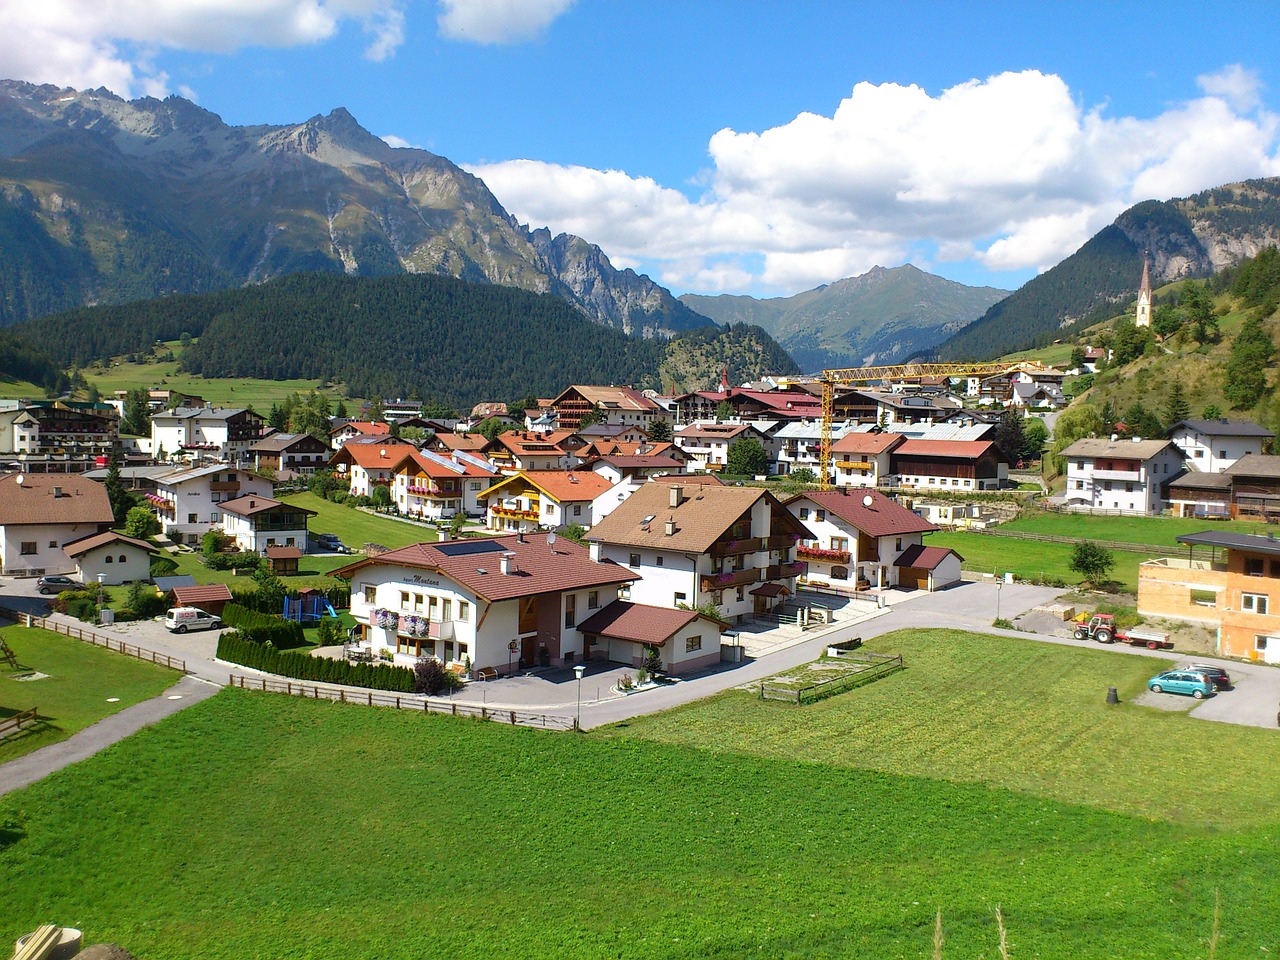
point(201, 593)
point(92, 542)
point(461, 441)
point(279, 442)
point(536, 565)
point(642, 463)
point(703, 515)
point(924, 558)
point(530, 443)
point(882, 518)
point(283, 553)
point(1255, 465)
point(620, 398)
point(872, 443)
point(959, 449)
point(251, 506)
point(382, 453)
point(370, 428)
point(630, 448)
point(433, 468)
point(560, 485)
point(639, 622)
point(1132, 449)
point(714, 431)
point(697, 479)
point(52, 498)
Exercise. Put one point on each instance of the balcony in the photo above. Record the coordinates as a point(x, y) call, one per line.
point(736, 578)
point(225, 486)
point(781, 571)
point(160, 503)
point(823, 556)
point(513, 513)
point(855, 464)
point(735, 548)
point(779, 541)
point(1128, 476)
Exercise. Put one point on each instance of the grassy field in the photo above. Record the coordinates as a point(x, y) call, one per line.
point(74, 695)
point(1154, 530)
point(1030, 559)
point(258, 825)
point(355, 527)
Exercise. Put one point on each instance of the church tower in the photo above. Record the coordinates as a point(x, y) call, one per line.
point(1143, 318)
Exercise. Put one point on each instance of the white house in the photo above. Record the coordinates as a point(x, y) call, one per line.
point(1125, 475)
point(40, 513)
point(706, 445)
point(436, 487)
point(189, 501)
point(226, 434)
point(500, 603)
point(857, 538)
point(544, 499)
point(799, 444)
point(863, 459)
point(685, 640)
point(731, 546)
point(368, 462)
point(1210, 446)
point(255, 523)
point(112, 556)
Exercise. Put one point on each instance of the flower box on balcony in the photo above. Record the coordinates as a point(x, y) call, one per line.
point(827, 556)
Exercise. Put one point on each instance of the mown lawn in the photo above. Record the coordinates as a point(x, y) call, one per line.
point(1153, 530)
point(354, 527)
point(1030, 559)
point(259, 825)
point(74, 695)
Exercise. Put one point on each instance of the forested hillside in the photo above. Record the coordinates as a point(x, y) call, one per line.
point(436, 337)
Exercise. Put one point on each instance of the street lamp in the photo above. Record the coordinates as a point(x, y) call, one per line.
point(578, 670)
point(999, 587)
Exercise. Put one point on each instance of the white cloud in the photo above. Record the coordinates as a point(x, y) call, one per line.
point(1010, 173)
point(498, 21)
point(1241, 88)
point(391, 140)
point(91, 43)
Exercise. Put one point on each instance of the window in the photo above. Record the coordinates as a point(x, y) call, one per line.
point(804, 513)
point(839, 543)
point(1222, 454)
point(681, 598)
point(1204, 598)
point(417, 603)
point(1253, 566)
point(692, 644)
point(633, 560)
point(741, 593)
point(820, 515)
point(463, 651)
point(550, 509)
point(570, 609)
point(404, 600)
point(447, 609)
point(433, 608)
point(110, 559)
point(839, 573)
point(369, 591)
point(1128, 488)
point(593, 599)
point(658, 560)
point(718, 597)
point(464, 611)
point(28, 548)
point(191, 518)
point(1260, 642)
point(1275, 568)
point(624, 592)
point(1106, 485)
point(448, 650)
point(1254, 603)
point(475, 485)
point(897, 544)
point(577, 509)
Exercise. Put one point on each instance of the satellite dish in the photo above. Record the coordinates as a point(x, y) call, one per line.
point(551, 539)
point(868, 500)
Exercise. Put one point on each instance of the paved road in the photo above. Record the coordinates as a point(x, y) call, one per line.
point(37, 765)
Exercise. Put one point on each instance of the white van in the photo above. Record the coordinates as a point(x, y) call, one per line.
point(182, 619)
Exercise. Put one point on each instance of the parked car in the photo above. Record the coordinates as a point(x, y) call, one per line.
point(47, 585)
point(331, 543)
point(182, 619)
point(1182, 681)
point(1218, 675)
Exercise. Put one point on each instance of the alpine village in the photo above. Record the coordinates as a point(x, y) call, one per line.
point(400, 581)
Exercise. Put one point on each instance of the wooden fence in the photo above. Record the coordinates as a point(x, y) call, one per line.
point(109, 643)
point(400, 701)
point(15, 722)
point(875, 666)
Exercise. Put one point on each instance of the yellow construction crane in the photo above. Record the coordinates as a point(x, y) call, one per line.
point(850, 376)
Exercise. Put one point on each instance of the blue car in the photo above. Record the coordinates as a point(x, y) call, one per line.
point(1182, 681)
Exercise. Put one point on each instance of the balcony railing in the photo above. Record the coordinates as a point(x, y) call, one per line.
point(825, 556)
point(781, 571)
point(779, 541)
point(722, 581)
point(854, 464)
point(513, 514)
point(1129, 476)
point(735, 548)
point(225, 486)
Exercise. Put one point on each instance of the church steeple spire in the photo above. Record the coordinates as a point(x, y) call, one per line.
point(1143, 315)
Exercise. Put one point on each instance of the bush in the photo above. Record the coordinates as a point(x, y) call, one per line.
point(233, 561)
point(431, 677)
point(162, 566)
point(264, 627)
point(235, 647)
point(211, 544)
point(145, 602)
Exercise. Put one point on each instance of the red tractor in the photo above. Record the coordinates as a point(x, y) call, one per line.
point(1102, 628)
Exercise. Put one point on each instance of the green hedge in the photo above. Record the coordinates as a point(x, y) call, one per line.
point(264, 627)
point(236, 648)
point(233, 561)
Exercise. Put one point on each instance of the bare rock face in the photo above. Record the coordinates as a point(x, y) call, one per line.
point(161, 196)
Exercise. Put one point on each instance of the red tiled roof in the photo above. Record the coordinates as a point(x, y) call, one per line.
point(536, 567)
point(959, 449)
point(201, 593)
point(882, 518)
point(461, 441)
point(82, 546)
point(369, 428)
point(30, 498)
point(383, 454)
point(560, 485)
point(638, 622)
point(872, 443)
point(924, 558)
point(251, 506)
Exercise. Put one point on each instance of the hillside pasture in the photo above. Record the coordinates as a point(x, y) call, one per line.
point(1030, 560)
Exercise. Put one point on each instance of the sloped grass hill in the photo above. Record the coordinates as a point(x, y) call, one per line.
point(1101, 278)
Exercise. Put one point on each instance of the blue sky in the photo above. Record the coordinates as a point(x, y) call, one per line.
point(735, 147)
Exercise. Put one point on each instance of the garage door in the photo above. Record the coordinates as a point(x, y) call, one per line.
point(914, 577)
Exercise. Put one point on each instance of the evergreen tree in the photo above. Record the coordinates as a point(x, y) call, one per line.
point(340, 411)
point(1176, 407)
point(1008, 438)
point(122, 501)
point(1034, 437)
point(591, 417)
point(1212, 412)
point(1141, 422)
point(1246, 372)
point(724, 411)
point(137, 413)
point(660, 431)
point(277, 418)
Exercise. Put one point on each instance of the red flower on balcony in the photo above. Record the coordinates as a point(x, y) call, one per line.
point(827, 556)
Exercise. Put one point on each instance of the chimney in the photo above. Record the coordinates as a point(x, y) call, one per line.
point(504, 563)
point(595, 551)
point(57, 492)
point(677, 495)
point(671, 526)
point(252, 504)
point(520, 536)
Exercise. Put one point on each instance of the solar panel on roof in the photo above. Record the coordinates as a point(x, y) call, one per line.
point(468, 548)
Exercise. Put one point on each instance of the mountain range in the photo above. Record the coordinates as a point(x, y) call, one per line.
point(104, 200)
point(1194, 236)
point(880, 317)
